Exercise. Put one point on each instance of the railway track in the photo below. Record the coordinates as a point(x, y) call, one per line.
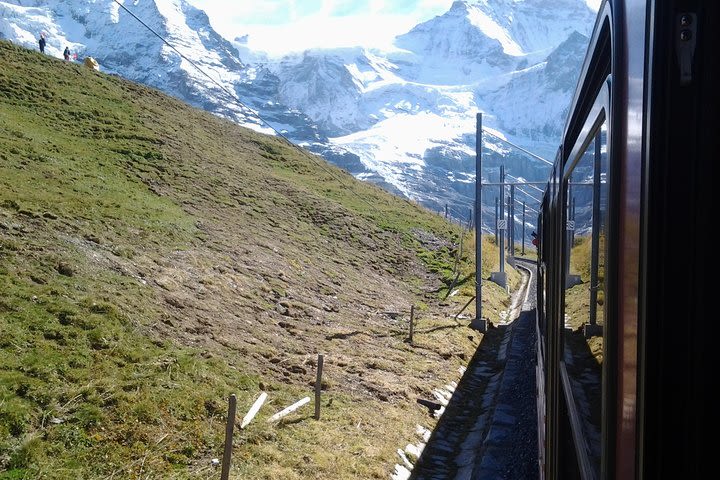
point(489, 427)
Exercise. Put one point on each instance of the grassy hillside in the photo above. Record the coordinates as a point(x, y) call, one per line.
point(155, 259)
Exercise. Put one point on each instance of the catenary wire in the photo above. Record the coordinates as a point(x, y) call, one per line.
point(239, 102)
point(280, 134)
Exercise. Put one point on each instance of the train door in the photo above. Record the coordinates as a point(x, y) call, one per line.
point(679, 328)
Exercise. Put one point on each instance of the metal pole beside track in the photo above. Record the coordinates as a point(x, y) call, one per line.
point(512, 220)
point(502, 217)
point(478, 225)
point(501, 224)
point(523, 230)
point(574, 204)
point(595, 259)
point(507, 225)
point(318, 378)
point(568, 233)
point(496, 220)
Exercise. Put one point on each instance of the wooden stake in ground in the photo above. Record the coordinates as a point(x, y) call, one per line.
point(253, 410)
point(318, 386)
point(232, 406)
point(412, 323)
point(289, 409)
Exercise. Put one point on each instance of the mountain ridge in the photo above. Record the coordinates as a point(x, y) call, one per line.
point(350, 104)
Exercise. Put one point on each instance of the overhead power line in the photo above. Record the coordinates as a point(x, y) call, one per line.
point(221, 86)
point(236, 99)
point(531, 185)
point(303, 152)
point(538, 157)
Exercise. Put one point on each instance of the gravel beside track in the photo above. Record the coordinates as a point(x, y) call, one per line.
point(489, 428)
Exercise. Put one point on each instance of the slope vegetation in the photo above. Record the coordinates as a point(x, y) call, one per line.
point(155, 259)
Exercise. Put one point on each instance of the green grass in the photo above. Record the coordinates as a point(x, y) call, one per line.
point(79, 382)
point(155, 259)
point(577, 298)
point(495, 299)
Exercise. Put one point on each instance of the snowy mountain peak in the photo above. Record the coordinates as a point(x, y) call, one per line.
point(526, 26)
point(404, 118)
point(122, 45)
point(458, 32)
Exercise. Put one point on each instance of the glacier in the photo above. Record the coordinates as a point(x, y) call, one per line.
point(402, 117)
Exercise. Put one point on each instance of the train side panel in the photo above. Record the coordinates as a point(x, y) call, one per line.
point(625, 330)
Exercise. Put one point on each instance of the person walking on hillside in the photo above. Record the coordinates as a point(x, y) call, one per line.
point(66, 54)
point(42, 43)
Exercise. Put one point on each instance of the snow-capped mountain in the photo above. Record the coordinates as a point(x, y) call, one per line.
point(122, 45)
point(403, 118)
point(408, 115)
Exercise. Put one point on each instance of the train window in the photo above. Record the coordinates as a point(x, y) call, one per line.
point(584, 294)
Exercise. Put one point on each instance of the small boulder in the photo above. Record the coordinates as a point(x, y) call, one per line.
point(64, 268)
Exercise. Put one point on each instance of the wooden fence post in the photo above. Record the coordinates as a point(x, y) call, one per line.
point(232, 405)
point(318, 386)
point(412, 322)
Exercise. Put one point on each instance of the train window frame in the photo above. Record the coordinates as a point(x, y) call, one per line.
point(599, 114)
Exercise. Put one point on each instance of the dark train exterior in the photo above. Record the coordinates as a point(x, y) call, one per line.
point(625, 330)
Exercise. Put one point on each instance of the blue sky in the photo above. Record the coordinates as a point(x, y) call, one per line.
point(280, 26)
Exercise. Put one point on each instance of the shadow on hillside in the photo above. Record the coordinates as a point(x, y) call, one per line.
point(343, 336)
point(285, 423)
point(396, 333)
point(460, 283)
point(441, 327)
point(456, 283)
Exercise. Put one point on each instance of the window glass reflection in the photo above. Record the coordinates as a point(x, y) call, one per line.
point(584, 314)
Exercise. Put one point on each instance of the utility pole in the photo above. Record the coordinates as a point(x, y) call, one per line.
point(496, 220)
point(507, 225)
point(479, 323)
point(523, 230)
point(502, 217)
point(595, 260)
point(512, 220)
point(501, 277)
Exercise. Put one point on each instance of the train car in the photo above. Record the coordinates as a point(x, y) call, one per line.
point(625, 257)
